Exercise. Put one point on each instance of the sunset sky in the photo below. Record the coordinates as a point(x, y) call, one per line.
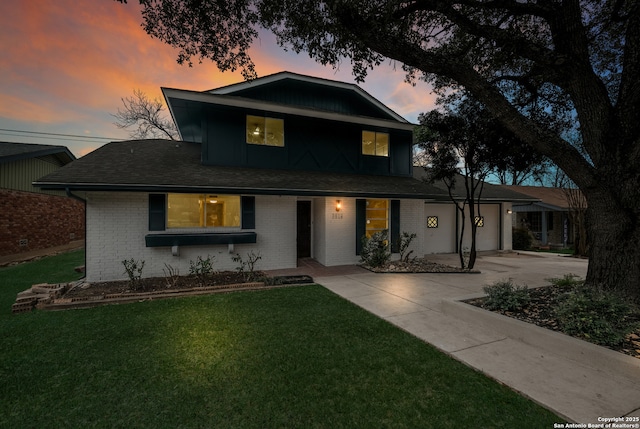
point(66, 65)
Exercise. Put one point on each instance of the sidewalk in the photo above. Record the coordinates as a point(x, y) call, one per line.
point(579, 381)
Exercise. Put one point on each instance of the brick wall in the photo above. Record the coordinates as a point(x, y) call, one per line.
point(118, 222)
point(30, 221)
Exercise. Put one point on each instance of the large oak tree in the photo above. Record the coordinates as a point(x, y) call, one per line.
point(525, 60)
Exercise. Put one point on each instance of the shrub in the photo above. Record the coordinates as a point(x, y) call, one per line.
point(171, 275)
point(375, 250)
point(599, 316)
point(133, 269)
point(403, 245)
point(521, 239)
point(202, 268)
point(567, 281)
point(504, 295)
point(246, 267)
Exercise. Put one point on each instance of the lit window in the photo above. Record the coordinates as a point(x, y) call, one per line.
point(377, 216)
point(265, 131)
point(479, 221)
point(202, 211)
point(376, 144)
point(432, 221)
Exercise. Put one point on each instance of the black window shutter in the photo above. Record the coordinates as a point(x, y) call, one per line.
point(395, 226)
point(248, 207)
point(157, 212)
point(361, 223)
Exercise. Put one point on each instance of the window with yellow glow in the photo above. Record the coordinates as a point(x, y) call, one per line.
point(376, 144)
point(203, 211)
point(377, 216)
point(265, 131)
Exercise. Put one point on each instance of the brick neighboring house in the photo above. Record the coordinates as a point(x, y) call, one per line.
point(32, 218)
point(287, 165)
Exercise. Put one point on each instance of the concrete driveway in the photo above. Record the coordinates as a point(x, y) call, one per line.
point(581, 382)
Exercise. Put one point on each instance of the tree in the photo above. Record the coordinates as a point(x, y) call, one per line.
point(147, 115)
point(465, 143)
point(525, 60)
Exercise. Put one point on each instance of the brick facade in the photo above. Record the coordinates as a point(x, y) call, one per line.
point(31, 221)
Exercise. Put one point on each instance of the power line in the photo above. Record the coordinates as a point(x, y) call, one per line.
point(56, 134)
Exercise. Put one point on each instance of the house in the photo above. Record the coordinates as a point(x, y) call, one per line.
point(289, 166)
point(549, 218)
point(31, 218)
point(494, 212)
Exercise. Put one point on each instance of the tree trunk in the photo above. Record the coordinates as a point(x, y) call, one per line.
point(614, 243)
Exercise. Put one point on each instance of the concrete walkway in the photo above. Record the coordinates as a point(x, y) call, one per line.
point(579, 381)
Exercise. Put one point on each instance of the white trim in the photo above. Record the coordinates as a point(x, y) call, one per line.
point(230, 89)
point(246, 103)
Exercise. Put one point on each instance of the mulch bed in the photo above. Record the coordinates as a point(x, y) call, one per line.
point(418, 265)
point(540, 312)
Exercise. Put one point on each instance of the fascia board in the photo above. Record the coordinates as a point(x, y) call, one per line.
point(232, 101)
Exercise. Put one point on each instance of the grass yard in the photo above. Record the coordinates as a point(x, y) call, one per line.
point(297, 357)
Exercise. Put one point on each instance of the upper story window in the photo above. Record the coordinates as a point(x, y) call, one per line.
point(203, 211)
point(265, 131)
point(376, 144)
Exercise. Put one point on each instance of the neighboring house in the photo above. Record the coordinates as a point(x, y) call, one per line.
point(31, 218)
point(549, 218)
point(495, 213)
point(289, 166)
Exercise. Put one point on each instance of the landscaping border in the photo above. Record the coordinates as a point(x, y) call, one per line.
point(554, 342)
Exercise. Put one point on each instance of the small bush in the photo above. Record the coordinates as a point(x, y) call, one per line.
point(599, 316)
point(133, 269)
point(246, 267)
point(521, 239)
point(202, 268)
point(504, 295)
point(403, 245)
point(567, 281)
point(171, 275)
point(375, 250)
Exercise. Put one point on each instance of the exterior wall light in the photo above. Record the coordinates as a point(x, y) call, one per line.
point(509, 211)
point(338, 205)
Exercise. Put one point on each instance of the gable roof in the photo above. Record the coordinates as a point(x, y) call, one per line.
point(172, 166)
point(10, 152)
point(285, 79)
point(490, 192)
point(269, 95)
point(554, 198)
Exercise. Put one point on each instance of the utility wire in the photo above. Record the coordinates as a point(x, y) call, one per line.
point(56, 134)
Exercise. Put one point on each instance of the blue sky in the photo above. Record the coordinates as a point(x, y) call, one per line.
point(66, 66)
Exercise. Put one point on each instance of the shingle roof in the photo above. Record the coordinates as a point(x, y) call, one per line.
point(165, 165)
point(489, 192)
point(10, 152)
point(551, 196)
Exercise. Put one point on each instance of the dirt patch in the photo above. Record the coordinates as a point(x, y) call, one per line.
point(540, 312)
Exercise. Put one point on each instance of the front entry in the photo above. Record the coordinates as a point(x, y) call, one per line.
point(303, 236)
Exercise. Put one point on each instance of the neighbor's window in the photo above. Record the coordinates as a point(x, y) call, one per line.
point(377, 216)
point(376, 144)
point(203, 211)
point(265, 131)
point(432, 221)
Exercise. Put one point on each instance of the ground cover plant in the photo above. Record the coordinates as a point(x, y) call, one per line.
point(291, 357)
point(592, 314)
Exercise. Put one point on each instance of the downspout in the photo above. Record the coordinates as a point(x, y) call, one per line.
point(82, 200)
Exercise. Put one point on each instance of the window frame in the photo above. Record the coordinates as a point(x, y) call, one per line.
point(265, 127)
point(202, 212)
point(375, 143)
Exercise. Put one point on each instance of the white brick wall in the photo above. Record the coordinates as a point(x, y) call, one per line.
point(118, 222)
point(339, 232)
point(443, 238)
point(412, 221)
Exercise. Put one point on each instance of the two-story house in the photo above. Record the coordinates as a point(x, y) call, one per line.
point(289, 166)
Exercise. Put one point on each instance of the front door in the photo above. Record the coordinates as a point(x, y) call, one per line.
point(304, 229)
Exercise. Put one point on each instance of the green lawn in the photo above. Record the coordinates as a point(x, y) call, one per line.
point(297, 357)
